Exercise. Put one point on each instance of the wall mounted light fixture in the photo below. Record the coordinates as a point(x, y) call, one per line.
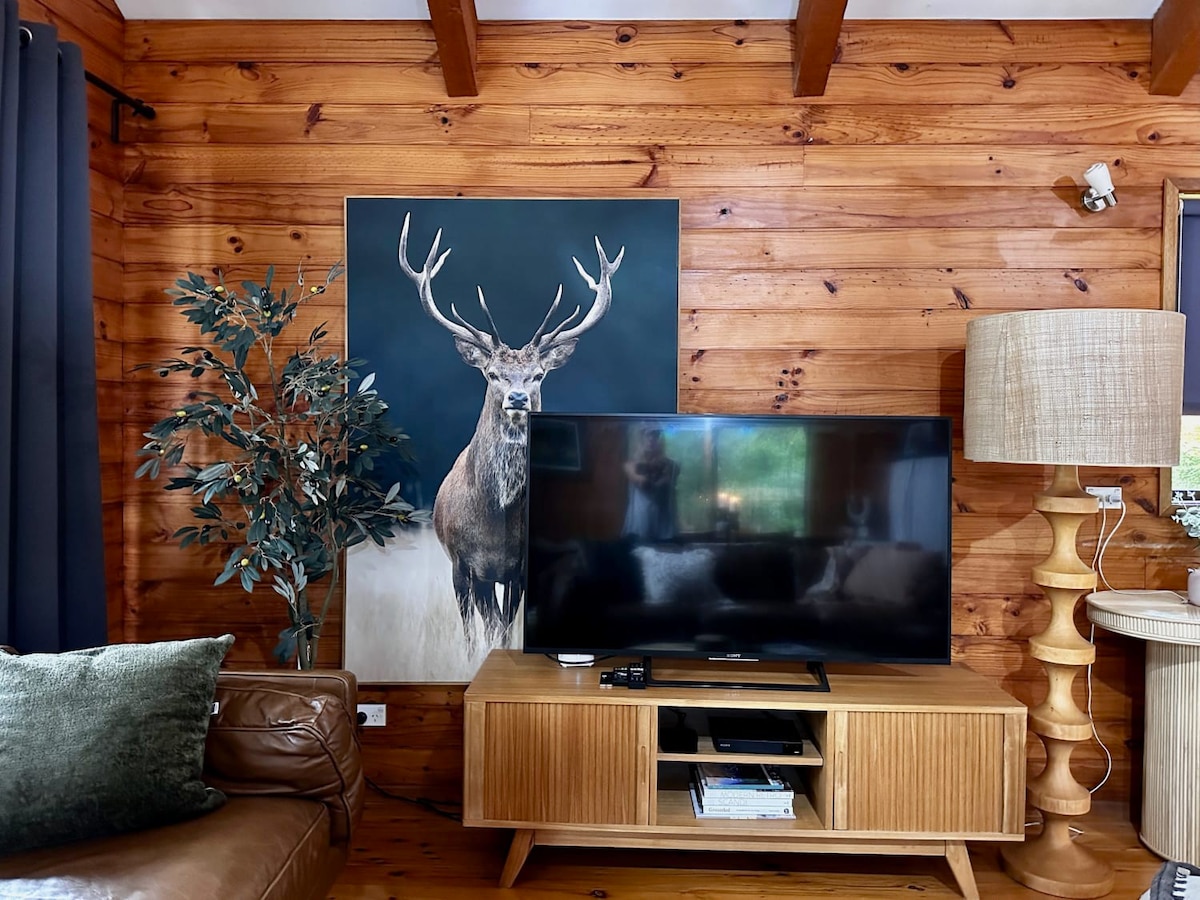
point(1100, 190)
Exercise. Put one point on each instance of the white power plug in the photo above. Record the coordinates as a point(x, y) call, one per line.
point(1110, 497)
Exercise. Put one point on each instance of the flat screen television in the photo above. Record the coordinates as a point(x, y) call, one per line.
point(813, 538)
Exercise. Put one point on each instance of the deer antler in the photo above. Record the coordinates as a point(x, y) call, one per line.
point(603, 290)
point(537, 336)
point(461, 329)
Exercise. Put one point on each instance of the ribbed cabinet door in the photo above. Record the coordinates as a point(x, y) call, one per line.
point(924, 772)
point(562, 763)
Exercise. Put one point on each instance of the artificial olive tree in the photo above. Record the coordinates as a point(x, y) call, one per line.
point(285, 482)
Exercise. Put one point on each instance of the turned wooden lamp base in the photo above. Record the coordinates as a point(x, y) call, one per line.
point(1052, 862)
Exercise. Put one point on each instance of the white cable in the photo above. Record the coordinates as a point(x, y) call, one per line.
point(1102, 543)
point(1102, 547)
point(1100, 535)
point(1070, 828)
point(1095, 733)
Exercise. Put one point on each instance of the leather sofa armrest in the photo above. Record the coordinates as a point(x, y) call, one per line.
point(289, 734)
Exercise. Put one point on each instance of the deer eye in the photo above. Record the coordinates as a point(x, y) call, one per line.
point(539, 376)
point(493, 377)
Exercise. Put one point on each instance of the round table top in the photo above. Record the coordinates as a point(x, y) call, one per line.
point(1149, 615)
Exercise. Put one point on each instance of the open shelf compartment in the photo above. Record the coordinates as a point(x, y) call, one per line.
point(674, 803)
point(812, 727)
point(706, 752)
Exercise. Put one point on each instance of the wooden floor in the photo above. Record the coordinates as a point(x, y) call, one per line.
point(402, 852)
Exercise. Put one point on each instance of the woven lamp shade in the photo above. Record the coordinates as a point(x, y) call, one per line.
point(1080, 387)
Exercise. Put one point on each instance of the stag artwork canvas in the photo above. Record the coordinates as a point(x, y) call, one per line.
point(474, 314)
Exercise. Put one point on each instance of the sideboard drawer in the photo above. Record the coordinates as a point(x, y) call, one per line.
point(563, 764)
point(923, 772)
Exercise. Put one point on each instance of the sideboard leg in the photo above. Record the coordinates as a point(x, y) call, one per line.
point(960, 865)
point(518, 852)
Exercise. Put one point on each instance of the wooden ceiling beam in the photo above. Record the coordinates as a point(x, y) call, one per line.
point(455, 28)
point(814, 45)
point(1175, 46)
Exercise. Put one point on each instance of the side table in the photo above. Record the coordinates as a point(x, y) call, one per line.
point(1171, 784)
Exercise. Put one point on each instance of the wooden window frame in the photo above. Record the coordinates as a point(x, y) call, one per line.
point(1175, 191)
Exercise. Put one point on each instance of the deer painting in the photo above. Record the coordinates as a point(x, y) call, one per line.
point(479, 510)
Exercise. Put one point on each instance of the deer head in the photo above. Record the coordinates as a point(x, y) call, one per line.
point(514, 377)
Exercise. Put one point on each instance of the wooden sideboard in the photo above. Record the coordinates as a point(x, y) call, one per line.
point(908, 760)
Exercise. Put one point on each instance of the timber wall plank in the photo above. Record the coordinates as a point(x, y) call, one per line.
point(98, 28)
point(832, 250)
point(642, 42)
point(740, 207)
point(623, 84)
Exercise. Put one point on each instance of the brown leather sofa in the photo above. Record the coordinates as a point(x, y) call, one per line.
point(284, 749)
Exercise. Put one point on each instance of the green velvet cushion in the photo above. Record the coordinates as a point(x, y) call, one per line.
point(102, 741)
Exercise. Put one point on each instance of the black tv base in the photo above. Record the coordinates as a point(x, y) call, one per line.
point(638, 676)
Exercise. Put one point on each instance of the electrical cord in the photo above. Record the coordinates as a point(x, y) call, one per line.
point(1100, 536)
point(1102, 543)
point(432, 806)
point(1108, 755)
point(1095, 734)
point(1101, 549)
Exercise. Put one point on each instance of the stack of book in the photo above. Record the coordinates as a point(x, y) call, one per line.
point(740, 791)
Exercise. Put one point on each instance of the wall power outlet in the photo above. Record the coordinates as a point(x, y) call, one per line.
point(1110, 497)
point(376, 714)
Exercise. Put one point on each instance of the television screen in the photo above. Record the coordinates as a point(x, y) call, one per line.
point(817, 538)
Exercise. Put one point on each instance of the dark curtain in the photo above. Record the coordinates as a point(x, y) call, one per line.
point(1189, 303)
point(51, 531)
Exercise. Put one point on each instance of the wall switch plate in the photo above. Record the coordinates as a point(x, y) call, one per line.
point(1110, 497)
point(376, 714)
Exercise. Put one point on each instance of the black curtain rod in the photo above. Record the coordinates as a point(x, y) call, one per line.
point(120, 98)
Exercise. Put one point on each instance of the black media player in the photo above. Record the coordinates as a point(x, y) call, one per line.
point(732, 734)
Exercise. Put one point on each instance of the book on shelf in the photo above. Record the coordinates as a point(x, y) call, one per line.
point(723, 809)
point(704, 812)
point(732, 780)
point(739, 775)
point(754, 801)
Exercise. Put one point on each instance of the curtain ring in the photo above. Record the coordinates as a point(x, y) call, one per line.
point(26, 36)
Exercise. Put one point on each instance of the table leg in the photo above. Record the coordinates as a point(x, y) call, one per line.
point(960, 865)
point(1172, 789)
point(518, 852)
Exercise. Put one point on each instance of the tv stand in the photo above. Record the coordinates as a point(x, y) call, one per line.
point(908, 760)
point(641, 675)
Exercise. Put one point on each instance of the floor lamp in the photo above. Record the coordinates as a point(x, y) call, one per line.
point(1069, 387)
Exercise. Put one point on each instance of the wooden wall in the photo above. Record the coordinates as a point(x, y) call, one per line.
point(99, 29)
point(832, 250)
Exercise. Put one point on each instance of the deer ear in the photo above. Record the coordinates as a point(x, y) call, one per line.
point(558, 355)
point(472, 354)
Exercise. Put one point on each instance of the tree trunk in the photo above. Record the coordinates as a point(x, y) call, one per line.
point(305, 650)
point(306, 634)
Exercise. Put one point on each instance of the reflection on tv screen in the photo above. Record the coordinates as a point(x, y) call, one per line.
point(788, 537)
